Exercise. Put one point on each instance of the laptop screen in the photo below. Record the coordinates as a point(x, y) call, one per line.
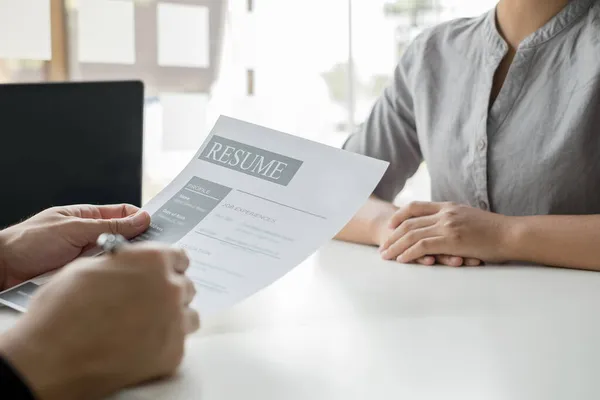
point(69, 143)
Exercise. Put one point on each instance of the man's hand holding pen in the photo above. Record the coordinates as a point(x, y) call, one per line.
point(142, 287)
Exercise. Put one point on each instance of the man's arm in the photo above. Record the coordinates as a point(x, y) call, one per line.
point(370, 224)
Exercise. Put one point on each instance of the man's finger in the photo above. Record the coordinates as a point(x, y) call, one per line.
point(191, 320)
point(176, 259)
point(181, 260)
point(117, 211)
point(188, 291)
point(84, 232)
point(89, 211)
point(407, 226)
point(129, 226)
point(414, 209)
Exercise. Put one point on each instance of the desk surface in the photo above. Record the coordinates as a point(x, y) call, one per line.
point(345, 325)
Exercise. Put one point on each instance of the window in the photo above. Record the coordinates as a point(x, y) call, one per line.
point(312, 68)
point(31, 41)
point(278, 58)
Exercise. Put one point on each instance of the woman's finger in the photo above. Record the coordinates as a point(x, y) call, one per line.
point(450, 261)
point(409, 240)
point(427, 260)
point(423, 247)
point(408, 226)
point(413, 210)
point(472, 262)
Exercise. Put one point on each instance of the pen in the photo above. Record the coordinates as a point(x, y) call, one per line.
point(111, 243)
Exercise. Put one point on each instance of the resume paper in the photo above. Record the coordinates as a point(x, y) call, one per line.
point(251, 205)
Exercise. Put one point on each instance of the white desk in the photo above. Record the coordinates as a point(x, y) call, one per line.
point(346, 325)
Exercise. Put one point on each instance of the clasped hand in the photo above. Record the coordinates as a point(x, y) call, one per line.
point(446, 233)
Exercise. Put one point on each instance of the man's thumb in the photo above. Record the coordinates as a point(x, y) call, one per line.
point(130, 226)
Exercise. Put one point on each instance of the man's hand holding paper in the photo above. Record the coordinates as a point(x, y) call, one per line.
point(251, 205)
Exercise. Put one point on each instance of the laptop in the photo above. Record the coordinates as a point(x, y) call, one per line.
point(69, 143)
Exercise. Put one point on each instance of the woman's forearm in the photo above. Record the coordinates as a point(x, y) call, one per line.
point(560, 241)
point(369, 224)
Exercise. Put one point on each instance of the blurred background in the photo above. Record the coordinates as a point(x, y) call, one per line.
point(312, 68)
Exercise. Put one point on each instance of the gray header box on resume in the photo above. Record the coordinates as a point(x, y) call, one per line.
point(186, 209)
point(250, 160)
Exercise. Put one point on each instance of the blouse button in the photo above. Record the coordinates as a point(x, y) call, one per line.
point(482, 145)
